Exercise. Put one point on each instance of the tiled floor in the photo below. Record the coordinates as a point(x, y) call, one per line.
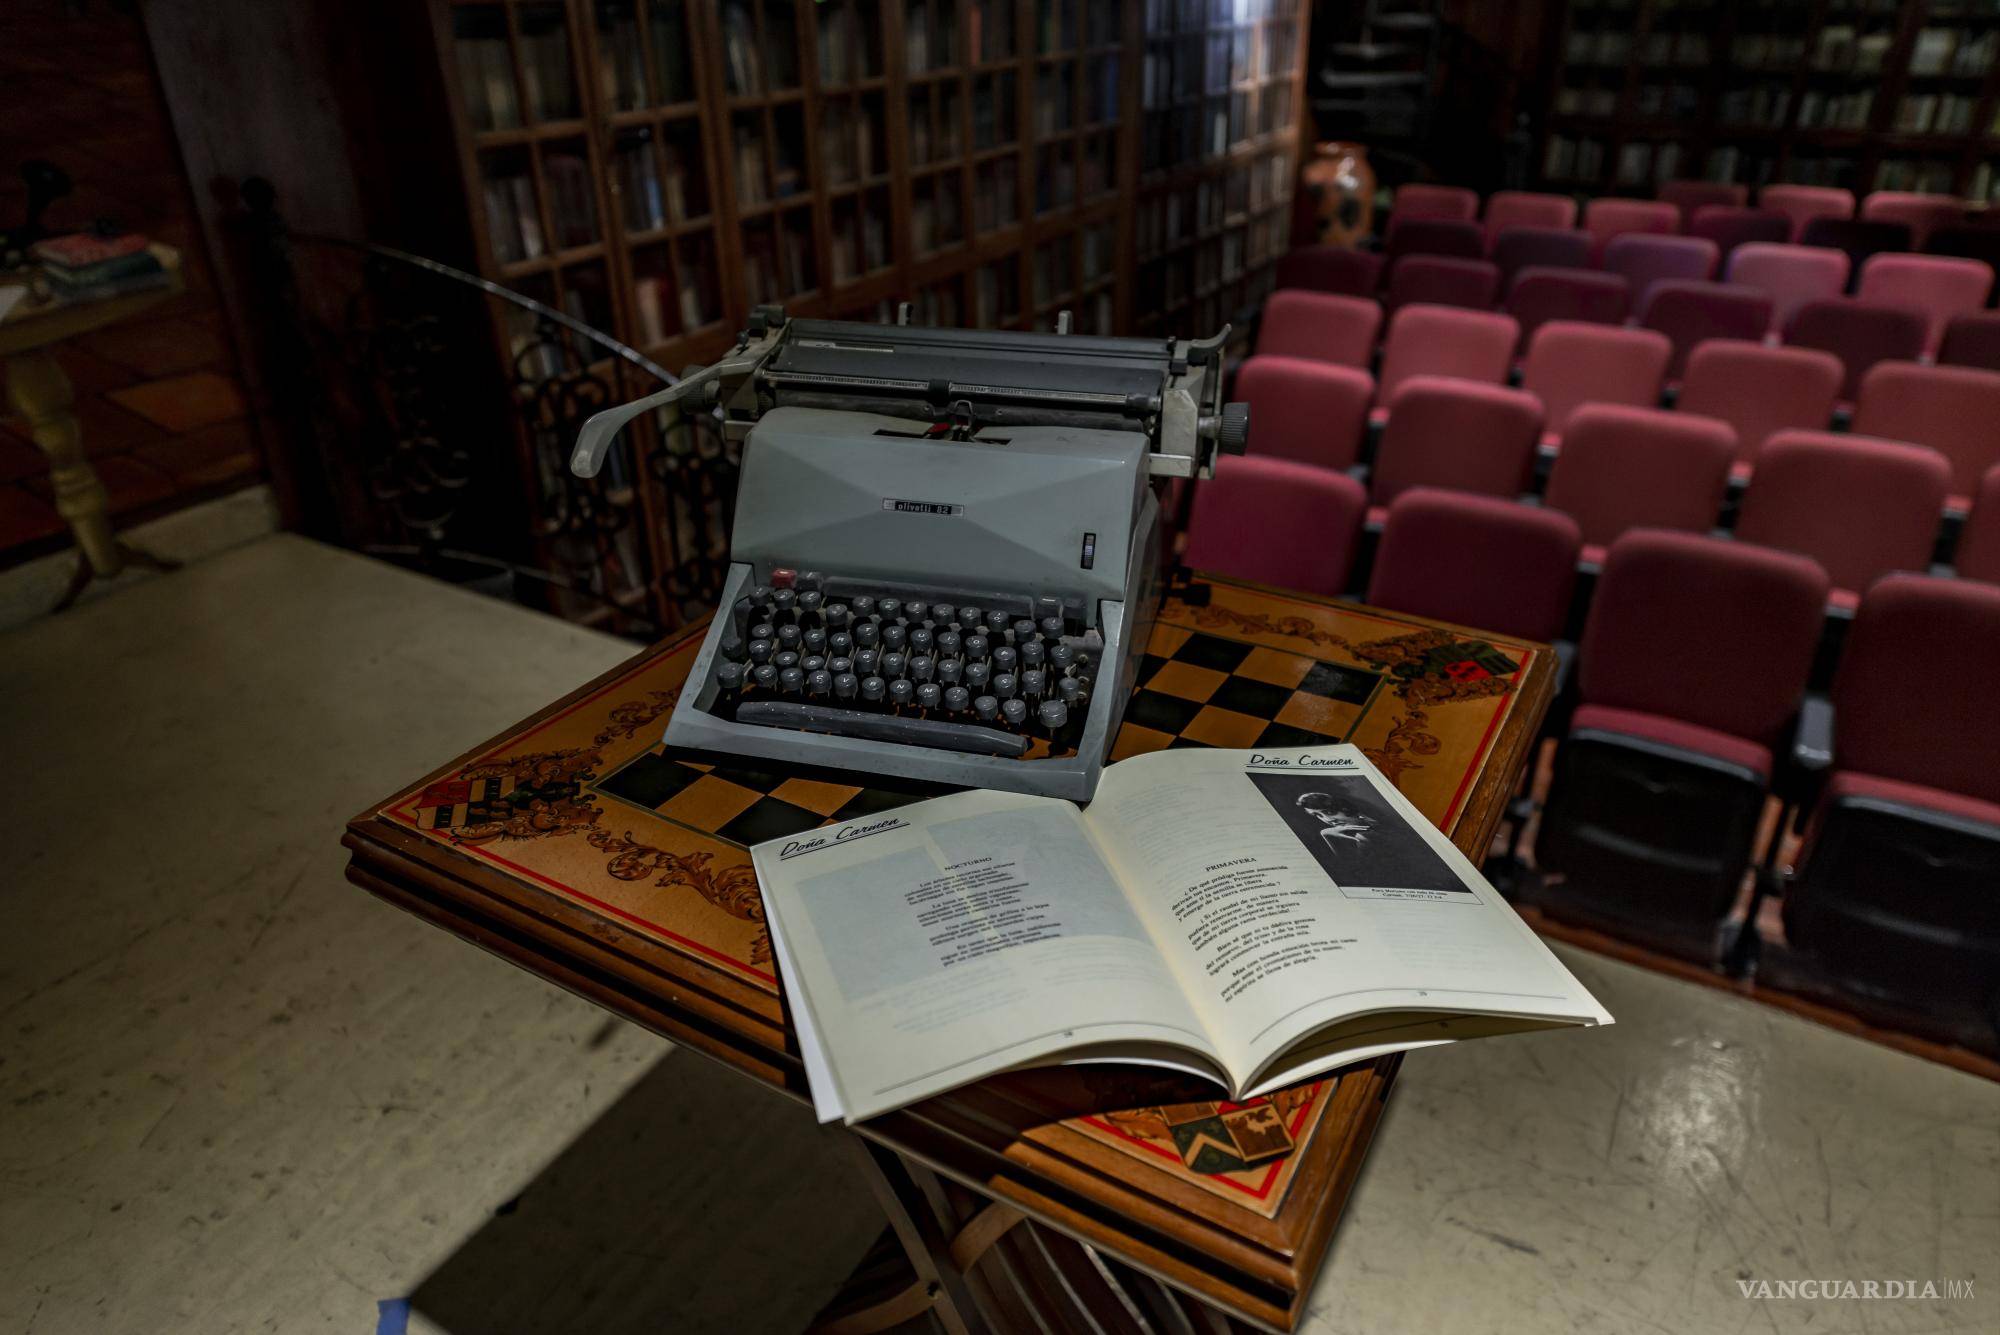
point(162, 412)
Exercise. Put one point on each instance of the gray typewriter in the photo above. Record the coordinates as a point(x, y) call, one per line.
point(946, 550)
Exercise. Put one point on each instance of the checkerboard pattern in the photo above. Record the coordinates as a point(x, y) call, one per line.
point(1194, 689)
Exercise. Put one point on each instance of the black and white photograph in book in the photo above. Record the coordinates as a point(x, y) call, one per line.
point(1362, 842)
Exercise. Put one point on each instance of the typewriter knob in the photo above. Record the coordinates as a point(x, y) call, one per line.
point(1233, 434)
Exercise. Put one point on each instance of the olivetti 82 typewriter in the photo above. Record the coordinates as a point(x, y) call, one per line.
point(946, 549)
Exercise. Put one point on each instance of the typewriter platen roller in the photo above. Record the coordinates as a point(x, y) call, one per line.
point(946, 545)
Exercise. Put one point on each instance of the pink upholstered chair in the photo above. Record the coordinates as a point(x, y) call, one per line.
point(1419, 200)
point(1308, 411)
point(1921, 213)
point(1972, 340)
point(1803, 203)
point(1336, 269)
point(1644, 259)
point(1624, 468)
point(1942, 286)
point(1759, 390)
point(1790, 275)
point(1952, 409)
point(1457, 434)
point(1478, 561)
point(1434, 236)
point(1321, 326)
point(1729, 228)
point(1442, 280)
point(1445, 341)
point(1860, 507)
point(1859, 333)
point(1979, 545)
point(1276, 521)
point(1522, 208)
point(1540, 296)
point(1688, 313)
point(1687, 196)
point(1571, 363)
point(1607, 218)
point(1517, 247)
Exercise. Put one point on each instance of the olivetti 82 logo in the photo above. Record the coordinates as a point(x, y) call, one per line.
point(922, 507)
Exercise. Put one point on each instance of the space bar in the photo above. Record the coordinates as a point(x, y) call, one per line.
point(934, 733)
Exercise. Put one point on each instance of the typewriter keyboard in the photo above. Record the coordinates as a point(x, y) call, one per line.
point(1004, 676)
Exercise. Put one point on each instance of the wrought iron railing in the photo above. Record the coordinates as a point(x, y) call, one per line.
point(424, 425)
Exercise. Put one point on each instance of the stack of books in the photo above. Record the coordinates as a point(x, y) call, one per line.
point(87, 267)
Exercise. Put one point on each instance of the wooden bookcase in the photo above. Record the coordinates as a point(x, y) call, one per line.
point(658, 167)
point(1865, 94)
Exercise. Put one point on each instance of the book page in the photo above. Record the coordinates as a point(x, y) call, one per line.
point(938, 943)
point(1296, 890)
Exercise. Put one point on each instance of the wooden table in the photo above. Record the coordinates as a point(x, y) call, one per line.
point(578, 847)
point(39, 389)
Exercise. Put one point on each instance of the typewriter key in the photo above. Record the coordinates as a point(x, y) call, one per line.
point(814, 641)
point(929, 695)
point(791, 681)
point(785, 601)
point(893, 664)
point(941, 614)
point(947, 642)
point(811, 581)
point(784, 577)
point(921, 640)
point(812, 663)
point(872, 688)
point(844, 684)
point(987, 708)
point(789, 636)
point(809, 607)
point(864, 606)
point(901, 692)
point(1052, 628)
point(975, 646)
point(730, 677)
point(739, 615)
point(838, 664)
point(837, 616)
point(1004, 658)
point(1004, 684)
point(996, 622)
point(1070, 689)
point(867, 634)
point(865, 661)
point(1032, 654)
point(819, 683)
point(1048, 605)
point(765, 676)
point(968, 618)
point(763, 630)
point(761, 594)
point(978, 674)
point(1053, 715)
point(957, 699)
point(1014, 712)
point(761, 650)
point(950, 671)
point(1031, 684)
point(921, 667)
point(839, 643)
point(1061, 657)
point(894, 636)
point(890, 608)
point(1024, 630)
point(786, 658)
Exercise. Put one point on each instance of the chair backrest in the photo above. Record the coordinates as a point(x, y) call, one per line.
point(1803, 203)
point(1434, 236)
point(1644, 259)
point(1913, 698)
point(1860, 507)
point(1313, 412)
point(1953, 409)
point(1689, 312)
point(1516, 248)
point(1967, 241)
point(1443, 280)
point(1759, 389)
point(1320, 326)
point(1457, 434)
point(1858, 238)
point(1687, 196)
point(1447, 341)
point(1920, 213)
point(1790, 275)
point(1623, 468)
point(1478, 561)
point(1940, 285)
point(1277, 521)
point(1523, 208)
point(1859, 333)
point(1972, 340)
point(1607, 218)
point(1729, 228)
point(1337, 269)
point(1711, 632)
point(1419, 200)
point(1542, 295)
point(1571, 363)
point(1978, 555)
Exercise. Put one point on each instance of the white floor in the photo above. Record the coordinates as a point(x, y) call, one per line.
point(237, 1093)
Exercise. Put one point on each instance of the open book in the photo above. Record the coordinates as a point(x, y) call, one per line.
point(1256, 918)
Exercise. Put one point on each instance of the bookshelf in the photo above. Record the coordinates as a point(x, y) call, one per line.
point(1865, 94)
point(659, 167)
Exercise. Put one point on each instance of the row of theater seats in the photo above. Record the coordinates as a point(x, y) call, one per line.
point(1688, 711)
point(1312, 399)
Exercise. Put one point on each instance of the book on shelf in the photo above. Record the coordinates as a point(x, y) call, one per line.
point(572, 199)
point(673, 184)
point(1253, 919)
point(693, 316)
point(749, 164)
point(549, 88)
point(648, 300)
point(739, 47)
